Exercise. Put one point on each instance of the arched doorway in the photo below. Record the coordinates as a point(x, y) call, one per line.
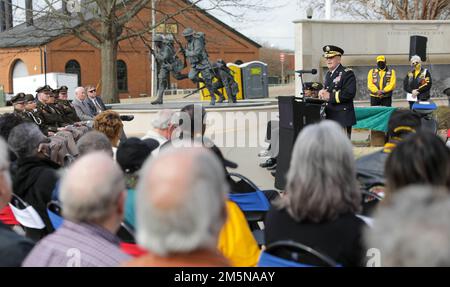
point(73, 67)
point(19, 69)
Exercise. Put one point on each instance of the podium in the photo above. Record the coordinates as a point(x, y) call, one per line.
point(295, 114)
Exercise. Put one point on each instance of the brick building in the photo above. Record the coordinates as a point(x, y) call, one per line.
point(22, 51)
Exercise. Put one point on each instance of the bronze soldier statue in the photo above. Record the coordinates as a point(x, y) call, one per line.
point(198, 58)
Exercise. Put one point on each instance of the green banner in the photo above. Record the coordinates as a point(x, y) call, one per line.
point(373, 118)
point(2, 96)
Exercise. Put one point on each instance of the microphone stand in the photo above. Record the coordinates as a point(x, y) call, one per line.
point(302, 93)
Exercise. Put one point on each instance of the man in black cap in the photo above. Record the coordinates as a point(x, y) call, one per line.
point(339, 89)
point(65, 106)
point(312, 89)
point(198, 58)
point(51, 116)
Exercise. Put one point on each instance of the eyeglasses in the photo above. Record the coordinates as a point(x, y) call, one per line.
point(414, 63)
point(91, 91)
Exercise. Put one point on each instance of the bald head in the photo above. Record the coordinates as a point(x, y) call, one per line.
point(181, 201)
point(89, 196)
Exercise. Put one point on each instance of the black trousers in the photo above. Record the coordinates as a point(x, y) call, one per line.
point(385, 102)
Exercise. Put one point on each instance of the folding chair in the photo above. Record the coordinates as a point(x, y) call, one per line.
point(254, 205)
point(294, 254)
point(54, 213)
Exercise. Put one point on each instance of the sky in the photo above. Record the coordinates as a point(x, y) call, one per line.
point(274, 27)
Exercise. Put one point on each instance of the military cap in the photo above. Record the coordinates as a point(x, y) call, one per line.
point(45, 88)
point(20, 97)
point(313, 86)
point(63, 89)
point(158, 38)
point(188, 32)
point(332, 51)
point(29, 97)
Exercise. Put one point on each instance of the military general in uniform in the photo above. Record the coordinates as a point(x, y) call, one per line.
point(339, 89)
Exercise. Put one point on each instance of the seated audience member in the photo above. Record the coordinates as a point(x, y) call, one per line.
point(422, 158)
point(131, 155)
point(81, 106)
point(9, 121)
point(92, 206)
point(35, 175)
point(322, 197)
point(312, 89)
point(13, 248)
point(370, 168)
point(413, 230)
point(109, 123)
point(163, 127)
point(180, 214)
point(94, 141)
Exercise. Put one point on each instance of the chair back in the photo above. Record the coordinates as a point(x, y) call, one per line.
point(54, 213)
point(296, 254)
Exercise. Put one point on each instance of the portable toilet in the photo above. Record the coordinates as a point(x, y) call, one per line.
point(237, 74)
point(255, 80)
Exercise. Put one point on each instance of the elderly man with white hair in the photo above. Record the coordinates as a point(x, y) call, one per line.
point(82, 108)
point(13, 248)
point(417, 83)
point(180, 215)
point(163, 126)
point(93, 209)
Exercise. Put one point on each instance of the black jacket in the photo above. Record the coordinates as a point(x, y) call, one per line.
point(340, 239)
point(13, 247)
point(33, 181)
point(342, 88)
point(422, 83)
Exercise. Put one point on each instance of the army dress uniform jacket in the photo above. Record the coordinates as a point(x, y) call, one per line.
point(342, 88)
point(69, 114)
point(51, 116)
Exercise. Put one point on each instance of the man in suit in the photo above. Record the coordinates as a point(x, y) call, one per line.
point(339, 89)
point(94, 102)
point(83, 110)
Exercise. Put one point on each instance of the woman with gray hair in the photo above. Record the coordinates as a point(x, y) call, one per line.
point(417, 83)
point(322, 197)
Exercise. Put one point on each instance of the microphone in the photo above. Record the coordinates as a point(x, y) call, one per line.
point(313, 71)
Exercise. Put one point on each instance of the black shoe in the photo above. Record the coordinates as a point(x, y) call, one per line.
point(220, 101)
point(157, 102)
point(127, 118)
point(273, 173)
point(268, 163)
point(212, 103)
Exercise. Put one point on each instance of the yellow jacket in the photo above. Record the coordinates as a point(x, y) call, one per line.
point(376, 82)
point(236, 241)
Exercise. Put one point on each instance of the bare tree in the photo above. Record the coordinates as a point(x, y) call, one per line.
point(103, 24)
point(387, 9)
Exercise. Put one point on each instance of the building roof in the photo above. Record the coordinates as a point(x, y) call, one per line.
point(47, 28)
